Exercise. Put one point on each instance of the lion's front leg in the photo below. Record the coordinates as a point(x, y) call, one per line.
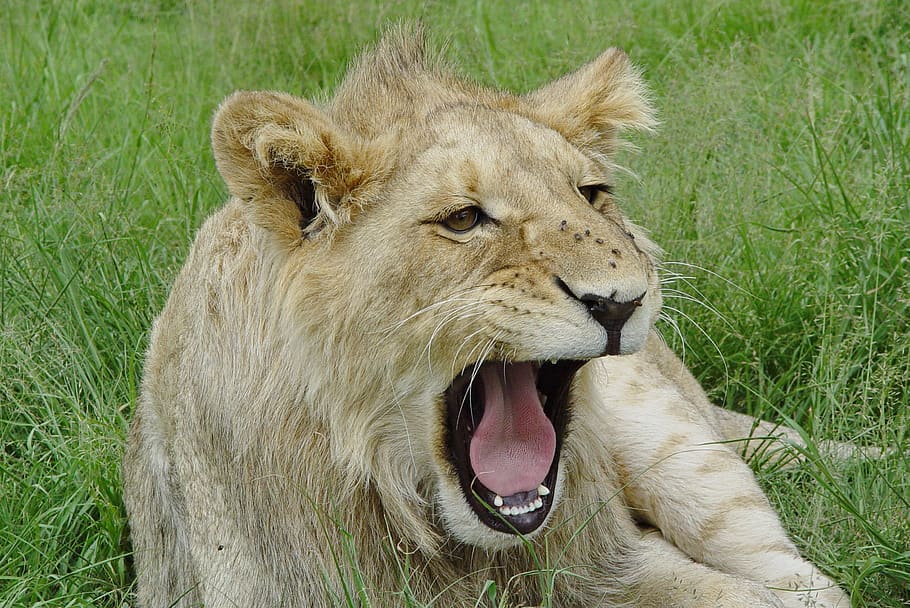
point(668, 578)
point(681, 478)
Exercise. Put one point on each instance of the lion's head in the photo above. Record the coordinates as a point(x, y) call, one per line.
point(444, 259)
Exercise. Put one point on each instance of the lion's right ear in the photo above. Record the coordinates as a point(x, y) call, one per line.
point(288, 159)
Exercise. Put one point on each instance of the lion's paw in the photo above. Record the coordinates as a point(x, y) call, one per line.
point(818, 592)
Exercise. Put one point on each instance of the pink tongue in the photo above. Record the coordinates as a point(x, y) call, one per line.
point(514, 444)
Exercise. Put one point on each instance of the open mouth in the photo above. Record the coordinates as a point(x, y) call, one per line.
point(506, 425)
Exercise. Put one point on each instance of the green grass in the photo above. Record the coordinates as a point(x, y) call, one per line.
point(781, 173)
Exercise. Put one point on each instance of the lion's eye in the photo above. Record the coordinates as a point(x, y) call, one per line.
point(590, 192)
point(463, 219)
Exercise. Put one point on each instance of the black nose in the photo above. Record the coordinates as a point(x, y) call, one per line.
point(612, 315)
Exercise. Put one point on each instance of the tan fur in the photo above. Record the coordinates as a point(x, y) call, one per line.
point(289, 449)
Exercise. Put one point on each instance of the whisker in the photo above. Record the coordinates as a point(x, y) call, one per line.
point(455, 298)
point(463, 344)
point(476, 369)
point(459, 314)
point(674, 325)
point(705, 334)
point(681, 295)
point(668, 277)
point(710, 272)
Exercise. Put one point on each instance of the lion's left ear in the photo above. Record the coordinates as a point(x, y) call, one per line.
point(592, 105)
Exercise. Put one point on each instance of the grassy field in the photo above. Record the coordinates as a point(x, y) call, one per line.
point(778, 183)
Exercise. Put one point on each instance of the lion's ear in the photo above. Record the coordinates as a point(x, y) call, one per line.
point(592, 105)
point(285, 156)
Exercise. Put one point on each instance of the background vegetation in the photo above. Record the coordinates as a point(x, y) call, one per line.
point(780, 176)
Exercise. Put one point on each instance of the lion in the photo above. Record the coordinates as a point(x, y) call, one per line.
point(413, 361)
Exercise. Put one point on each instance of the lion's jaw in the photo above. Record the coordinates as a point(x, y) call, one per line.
point(478, 238)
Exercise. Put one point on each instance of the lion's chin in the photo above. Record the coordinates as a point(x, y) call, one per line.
point(506, 422)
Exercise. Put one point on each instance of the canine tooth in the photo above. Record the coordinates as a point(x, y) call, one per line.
point(497, 501)
point(542, 490)
point(553, 360)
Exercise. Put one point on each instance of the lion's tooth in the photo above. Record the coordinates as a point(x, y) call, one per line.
point(497, 500)
point(553, 361)
point(535, 504)
point(542, 490)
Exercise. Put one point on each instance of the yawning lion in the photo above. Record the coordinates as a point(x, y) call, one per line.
point(412, 360)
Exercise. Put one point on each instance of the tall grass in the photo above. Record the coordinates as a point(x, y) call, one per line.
point(779, 184)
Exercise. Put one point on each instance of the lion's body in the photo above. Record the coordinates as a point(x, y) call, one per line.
point(290, 446)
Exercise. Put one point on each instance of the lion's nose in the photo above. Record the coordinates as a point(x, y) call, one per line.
point(612, 315)
point(609, 312)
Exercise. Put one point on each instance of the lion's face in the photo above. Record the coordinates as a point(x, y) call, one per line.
point(515, 266)
point(479, 255)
